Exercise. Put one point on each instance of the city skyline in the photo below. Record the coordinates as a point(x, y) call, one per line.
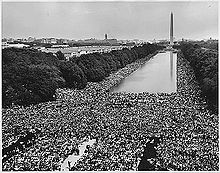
point(120, 20)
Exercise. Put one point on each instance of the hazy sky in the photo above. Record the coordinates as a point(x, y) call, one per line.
point(121, 20)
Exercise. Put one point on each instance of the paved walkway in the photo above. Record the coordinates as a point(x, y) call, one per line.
point(74, 158)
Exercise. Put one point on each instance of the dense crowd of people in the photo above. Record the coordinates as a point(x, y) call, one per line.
point(121, 123)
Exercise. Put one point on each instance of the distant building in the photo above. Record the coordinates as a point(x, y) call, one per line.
point(137, 41)
point(31, 39)
point(44, 40)
point(60, 45)
point(20, 39)
point(11, 40)
point(65, 41)
point(6, 45)
point(49, 40)
point(62, 41)
point(53, 41)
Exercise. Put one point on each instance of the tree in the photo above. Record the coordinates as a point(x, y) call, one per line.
point(60, 55)
point(73, 75)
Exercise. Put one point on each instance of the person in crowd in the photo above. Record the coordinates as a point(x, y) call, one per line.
point(121, 123)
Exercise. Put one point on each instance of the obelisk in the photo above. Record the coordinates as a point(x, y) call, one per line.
point(171, 29)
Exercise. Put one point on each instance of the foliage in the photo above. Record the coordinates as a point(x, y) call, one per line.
point(73, 75)
point(97, 66)
point(31, 76)
point(209, 44)
point(60, 55)
point(205, 65)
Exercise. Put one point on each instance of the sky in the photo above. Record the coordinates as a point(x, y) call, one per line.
point(121, 20)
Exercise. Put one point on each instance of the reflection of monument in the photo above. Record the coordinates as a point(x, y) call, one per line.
point(171, 65)
point(171, 29)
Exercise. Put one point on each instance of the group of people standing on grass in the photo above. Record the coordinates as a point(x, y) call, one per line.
point(121, 123)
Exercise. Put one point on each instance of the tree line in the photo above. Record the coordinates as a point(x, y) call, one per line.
point(205, 65)
point(30, 76)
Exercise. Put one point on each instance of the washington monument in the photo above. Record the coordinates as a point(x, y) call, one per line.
point(171, 29)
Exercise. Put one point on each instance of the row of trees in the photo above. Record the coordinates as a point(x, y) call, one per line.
point(209, 44)
point(205, 65)
point(31, 76)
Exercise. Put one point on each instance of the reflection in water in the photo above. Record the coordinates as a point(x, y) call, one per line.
point(171, 66)
point(158, 75)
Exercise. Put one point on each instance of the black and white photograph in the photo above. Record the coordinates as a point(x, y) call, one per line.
point(116, 85)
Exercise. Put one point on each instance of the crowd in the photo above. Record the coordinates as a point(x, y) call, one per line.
point(121, 123)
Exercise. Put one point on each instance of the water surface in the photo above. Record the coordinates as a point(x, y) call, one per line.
point(158, 75)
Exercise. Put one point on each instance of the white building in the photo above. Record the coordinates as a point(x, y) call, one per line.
point(31, 39)
point(61, 45)
point(6, 45)
point(53, 41)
